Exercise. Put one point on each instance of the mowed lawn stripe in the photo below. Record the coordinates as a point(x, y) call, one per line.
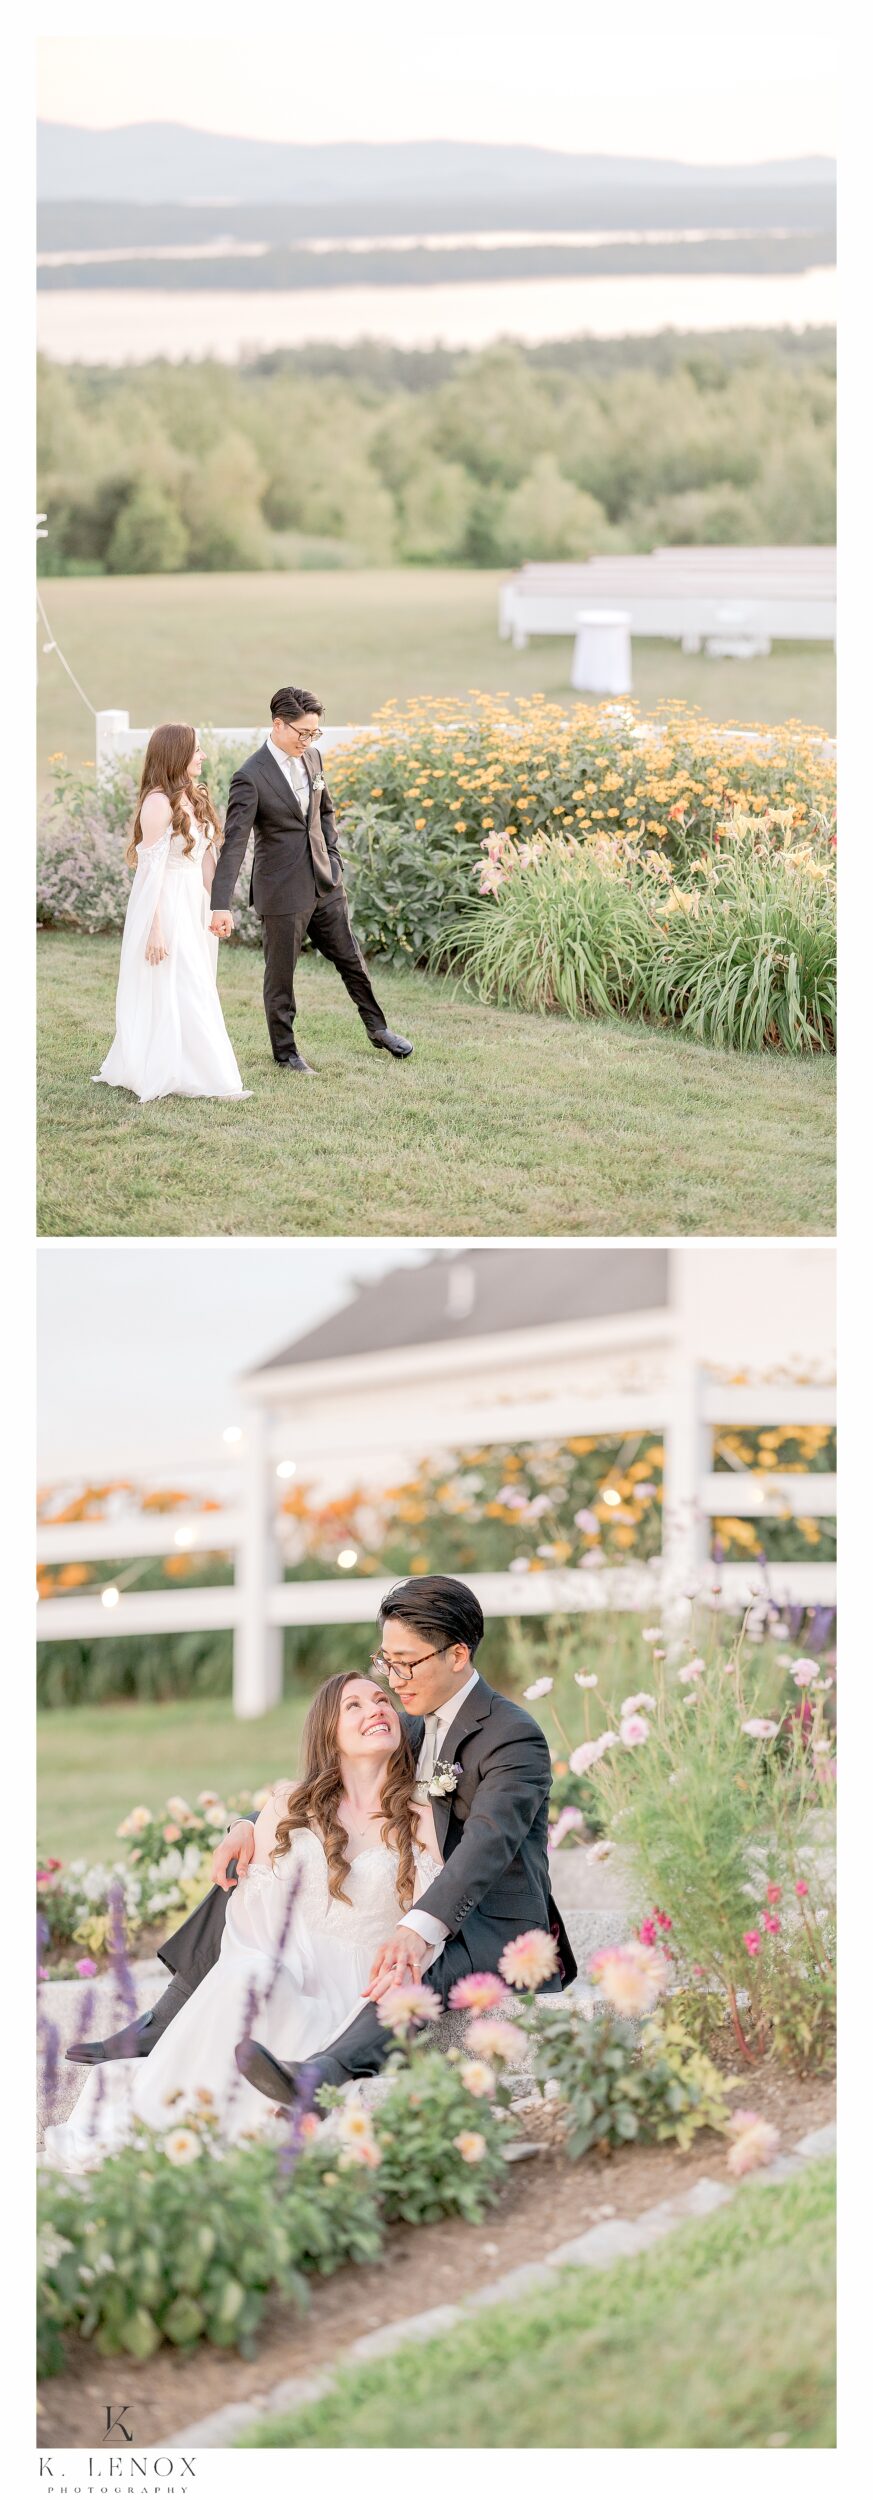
point(501, 1123)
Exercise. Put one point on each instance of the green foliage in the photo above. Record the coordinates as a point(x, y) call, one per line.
point(616, 2092)
point(731, 1833)
point(423, 2175)
point(468, 459)
point(162, 2251)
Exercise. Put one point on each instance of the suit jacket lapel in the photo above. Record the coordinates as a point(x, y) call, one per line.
point(277, 775)
point(472, 1714)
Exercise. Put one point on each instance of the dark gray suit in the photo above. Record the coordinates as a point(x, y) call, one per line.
point(494, 1884)
point(296, 886)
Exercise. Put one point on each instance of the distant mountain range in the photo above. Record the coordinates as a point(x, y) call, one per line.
point(165, 162)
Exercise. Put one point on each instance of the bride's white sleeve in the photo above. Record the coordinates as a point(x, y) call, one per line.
point(144, 907)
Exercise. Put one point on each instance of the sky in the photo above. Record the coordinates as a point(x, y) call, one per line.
point(675, 81)
point(141, 1344)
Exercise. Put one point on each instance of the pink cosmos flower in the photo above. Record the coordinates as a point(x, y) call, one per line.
point(530, 1959)
point(755, 2142)
point(472, 2147)
point(534, 1692)
point(760, 1727)
point(634, 1729)
point(479, 1993)
point(568, 1820)
point(585, 1756)
point(752, 1941)
point(630, 1976)
point(502, 2040)
point(405, 2007)
point(86, 1969)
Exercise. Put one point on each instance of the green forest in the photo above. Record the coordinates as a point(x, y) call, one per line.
point(374, 457)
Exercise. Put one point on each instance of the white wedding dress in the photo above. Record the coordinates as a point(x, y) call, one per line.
point(170, 1034)
point(291, 1971)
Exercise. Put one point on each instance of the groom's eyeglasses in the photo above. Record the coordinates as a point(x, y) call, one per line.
point(401, 1675)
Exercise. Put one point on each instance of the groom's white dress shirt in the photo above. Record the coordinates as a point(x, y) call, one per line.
point(434, 1749)
point(295, 773)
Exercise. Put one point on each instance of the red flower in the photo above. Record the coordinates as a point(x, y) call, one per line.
point(752, 1941)
point(801, 1890)
point(663, 1920)
point(772, 1924)
point(774, 1892)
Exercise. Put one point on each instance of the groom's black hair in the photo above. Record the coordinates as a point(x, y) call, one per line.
point(442, 1610)
point(292, 702)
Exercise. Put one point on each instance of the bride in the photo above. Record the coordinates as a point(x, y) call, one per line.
point(337, 1857)
point(170, 1035)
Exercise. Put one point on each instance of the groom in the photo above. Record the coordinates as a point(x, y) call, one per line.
point(483, 1764)
point(297, 880)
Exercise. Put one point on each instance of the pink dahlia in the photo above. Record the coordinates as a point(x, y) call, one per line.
point(755, 2142)
point(479, 1994)
point(405, 2007)
point(530, 1959)
point(502, 2040)
point(630, 1976)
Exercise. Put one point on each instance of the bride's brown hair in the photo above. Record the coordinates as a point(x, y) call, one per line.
point(314, 1804)
point(165, 768)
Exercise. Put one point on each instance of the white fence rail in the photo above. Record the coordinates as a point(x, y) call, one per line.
point(260, 1602)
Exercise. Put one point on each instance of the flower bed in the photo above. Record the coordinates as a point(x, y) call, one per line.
point(443, 788)
point(165, 1873)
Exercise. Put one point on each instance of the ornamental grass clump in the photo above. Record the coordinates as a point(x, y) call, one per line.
point(746, 959)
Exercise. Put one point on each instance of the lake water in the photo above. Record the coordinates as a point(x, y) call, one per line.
point(96, 325)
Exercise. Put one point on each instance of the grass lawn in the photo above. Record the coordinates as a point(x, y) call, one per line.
point(500, 1124)
point(723, 2337)
point(211, 647)
point(93, 1764)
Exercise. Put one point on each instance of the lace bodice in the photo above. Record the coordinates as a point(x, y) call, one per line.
point(179, 857)
point(372, 1908)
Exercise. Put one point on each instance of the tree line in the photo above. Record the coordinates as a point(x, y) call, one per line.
point(373, 457)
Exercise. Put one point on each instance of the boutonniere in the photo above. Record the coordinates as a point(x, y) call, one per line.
point(318, 784)
point(444, 1779)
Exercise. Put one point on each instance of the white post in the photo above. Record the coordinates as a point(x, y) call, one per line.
point(106, 728)
point(602, 652)
point(687, 1460)
point(257, 1649)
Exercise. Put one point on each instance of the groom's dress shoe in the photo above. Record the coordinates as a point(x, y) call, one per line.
point(383, 1040)
point(139, 2037)
point(299, 1067)
point(133, 2041)
point(266, 2073)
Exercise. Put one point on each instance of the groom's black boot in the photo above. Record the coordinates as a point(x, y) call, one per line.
point(139, 2037)
point(298, 1065)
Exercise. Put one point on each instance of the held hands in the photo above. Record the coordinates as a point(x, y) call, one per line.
point(221, 924)
point(400, 1959)
point(239, 1844)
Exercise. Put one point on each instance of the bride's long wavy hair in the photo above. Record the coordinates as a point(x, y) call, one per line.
point(165, 767)
point(314, 1804)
